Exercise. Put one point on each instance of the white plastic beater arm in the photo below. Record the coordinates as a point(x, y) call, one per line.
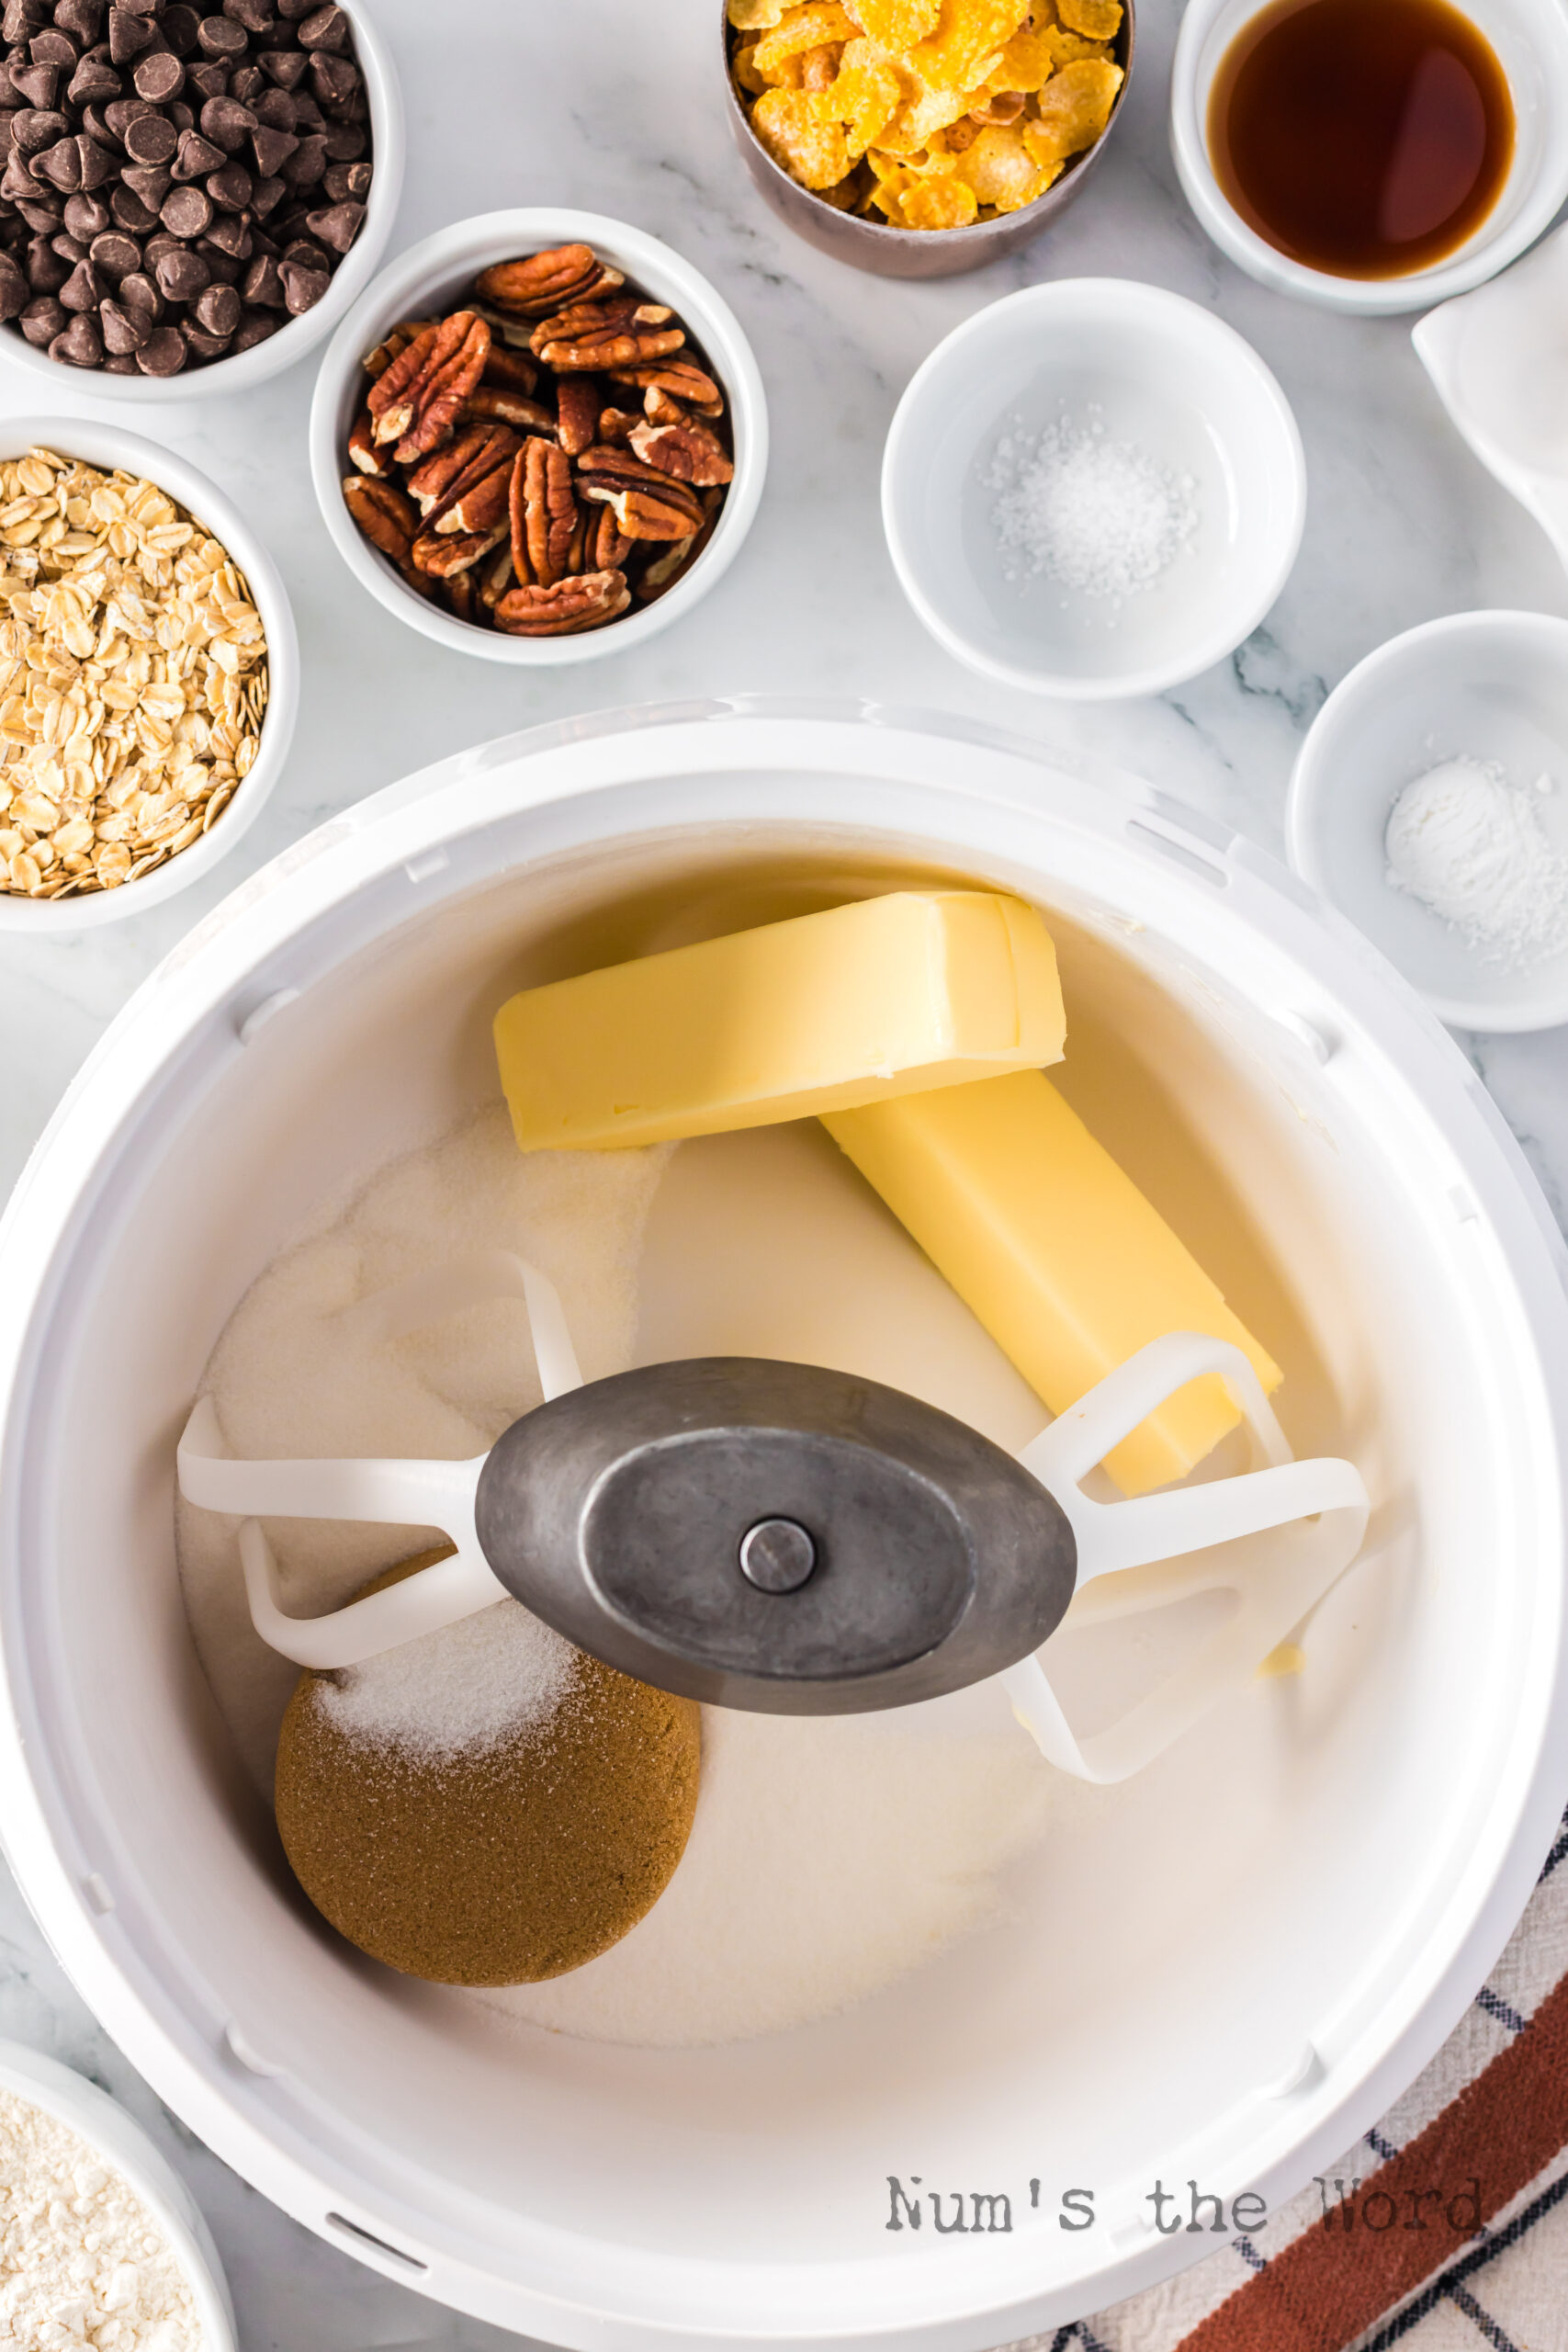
point(1316, 1511)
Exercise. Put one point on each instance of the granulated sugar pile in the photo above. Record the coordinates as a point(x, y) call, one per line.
point(827, 1857)
point(1101, 516)
point(82, 2266)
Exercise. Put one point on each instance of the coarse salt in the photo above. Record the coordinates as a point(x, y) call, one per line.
point(1101, 516)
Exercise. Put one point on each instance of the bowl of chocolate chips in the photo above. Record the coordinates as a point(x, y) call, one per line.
point(191, 197)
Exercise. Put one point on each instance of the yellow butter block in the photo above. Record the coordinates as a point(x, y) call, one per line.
point(1053, 1250)
point(823, 1013)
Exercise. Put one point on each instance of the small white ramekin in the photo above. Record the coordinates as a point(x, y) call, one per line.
point(109, 446)
point(1488, 686)
point(247, 368)
point(1530, 38)
point(1144, 366)
point(440, 269)
point(124, 2146)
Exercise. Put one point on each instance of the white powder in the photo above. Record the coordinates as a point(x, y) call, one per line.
point(827, 1857)
point(82, 2266)
point(467, 1687)
point(1102, 517)
point(1470, 845)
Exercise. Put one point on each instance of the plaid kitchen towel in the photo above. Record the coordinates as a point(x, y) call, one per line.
point(1445, 2229)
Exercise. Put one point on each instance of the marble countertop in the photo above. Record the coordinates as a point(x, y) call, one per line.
point(615, 106)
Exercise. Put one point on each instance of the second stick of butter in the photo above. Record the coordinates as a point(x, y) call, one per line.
point(822, 1013)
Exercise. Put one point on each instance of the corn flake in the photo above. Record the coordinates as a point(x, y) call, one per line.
point(791, 126)
point(797, 30)
point(938, 203)
point(895, 24)
point(1096, 19)
point(1001, 170)
point(1074, 109)
point(969, 37)
point(920, 117)
point(866, 96)
point(746, 72)
point(755, 15)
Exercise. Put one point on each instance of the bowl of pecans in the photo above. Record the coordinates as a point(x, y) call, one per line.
point(539, 436)
point(191, 196)
point(149, 674)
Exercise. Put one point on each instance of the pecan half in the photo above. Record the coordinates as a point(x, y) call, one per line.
point(585, 601)
point(476, 500)
point(505, 407)
point(544, 282)
point(376, 362)
point(616, 425)
point(688, 451)
point(362, 447)
point(681, 379)
point(497, 577)
point(543, 512)
point(442, 474)
point(441, 557)
point(511, 368)
point(416, 402)
point(594, 336)
point(388, 520)
point(607, 545)
point(659, 408)
point(578, 402)
point(462, 596)
point(647, 504)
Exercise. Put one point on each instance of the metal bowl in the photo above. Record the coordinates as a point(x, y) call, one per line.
point(913, 252)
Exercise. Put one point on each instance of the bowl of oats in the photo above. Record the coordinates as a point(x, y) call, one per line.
point(149, 674)
point(922, 138)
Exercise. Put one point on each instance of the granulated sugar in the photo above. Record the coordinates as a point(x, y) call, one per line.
point(460, 1689)
point(827, 1857)
point(1101, 516)
point(84, 2267)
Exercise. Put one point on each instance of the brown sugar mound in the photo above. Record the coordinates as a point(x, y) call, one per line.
point(498, 1864)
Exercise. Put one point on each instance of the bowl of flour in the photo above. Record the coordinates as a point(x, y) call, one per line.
point(1092, 490)
point(102, 2248)
point(1429, 804)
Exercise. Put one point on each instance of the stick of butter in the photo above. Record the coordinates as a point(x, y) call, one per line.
point(1053, 1250)
point(823, 1013)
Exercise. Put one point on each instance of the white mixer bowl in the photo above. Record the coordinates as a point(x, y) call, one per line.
point(1222, 1971)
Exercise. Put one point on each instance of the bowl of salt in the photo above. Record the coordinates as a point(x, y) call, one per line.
point(1429, 804)
point(1094, 489)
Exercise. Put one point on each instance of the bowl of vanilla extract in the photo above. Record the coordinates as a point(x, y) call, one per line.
point(1372, 155)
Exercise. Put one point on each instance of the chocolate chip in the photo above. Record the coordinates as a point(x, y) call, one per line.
point(138, 293)
point(230, 188)
point(304, 167)
point(181, 275)
point(337, 226)
point(114, 254)
point(272, 149)
point(230, 233)
point(96, 125)
point(69, 248)
point(286, 66)
point(120, 363)
point(302, 288)
point(46, 272)
point(266, 196)
point(199, 343)
point(94, 79)
point(220, 37)
point(36, 128)
point(346, 141)
point(22, 18)
point(151, 139)
point(195, 156)
point(219, 309)
point(52, 48)
point(254, 327)
point(40, 84)
point(42, 212)
point(60, 165)
point(82, 290)
point(222, 269)
point(347, 183)
point(159, 77)
point(181, 114)
point(150, 182)
point(276, 108)
point(255, 15)
point(327, 29)
point(185, 211)
point(122, 330)
point(86, 217)
point(179, 25)
point(44, 318)
point(163, 354)
point(263, 284)
point(130, 214)
point(84, 18)
point(226, 122)
point(247, 84)
point(334, 81)
point(14, 291)
point(208, 81)
point(81, 345)
point(129, 35)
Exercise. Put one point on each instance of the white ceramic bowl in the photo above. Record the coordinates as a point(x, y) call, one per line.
point(1481, 685)
point(247, 368)
point(1151, 369)
point(123, 2145)
point(109, 446)
point(1530, 38)
point(440, 269)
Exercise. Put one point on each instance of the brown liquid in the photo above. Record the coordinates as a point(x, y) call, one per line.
point(1365, 138)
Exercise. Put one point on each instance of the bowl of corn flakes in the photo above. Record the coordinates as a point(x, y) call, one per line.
point(921, 138)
